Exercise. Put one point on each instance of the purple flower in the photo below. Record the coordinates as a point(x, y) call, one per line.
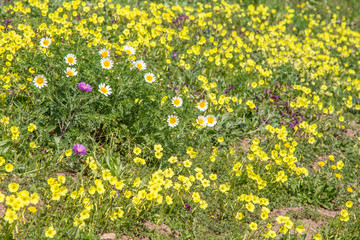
point(174, 54)
point(80, 149)
point(85, 87)
point(188, 207)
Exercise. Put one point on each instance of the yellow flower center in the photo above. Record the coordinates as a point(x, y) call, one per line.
point(104, 54)
point(210, 120)
point(172, 121)
point(70, 59)
point(128, 51)
point(69, 73)
point(149, 78)
point(103, 90)
point(177, 102)
point(200, 121)
point(139, 66)
point(46, 42)
point(202, 104)
point(106, 63)
point(40, 81)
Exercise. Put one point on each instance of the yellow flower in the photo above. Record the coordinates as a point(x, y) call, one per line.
point(253, 226)
point(203, 204)
point(300, 229)
point(50, 232)
point(220, 139)
point(14, 129)
point(9, 167)
point(158, 147)
point(32, 209)
point(338, 176)
point(31, 127)
point(158, 154)
point(10, 216)
point(213, 176)
point(68, 153)
point(321, 163)
point(172, 159)
point(187, 163)
point(317, 236)
point(349, 204)
point(33, 145)
point(127, 194)
point(169, 200)
point(13, 187)
point(137, 150)
point(340, 164)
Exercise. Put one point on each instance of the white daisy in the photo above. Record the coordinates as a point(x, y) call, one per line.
point(104, 89)
point(70, 72)
point(45, 42)
point(140, 64)
point(202, 105)
point(70, 59)
point(177, 101)
point(173, 121)
point(150, 77)
point(201, 120)
point(40, 81)
point(104, 52)
point(106, 63)
point(129, 50)
point(211, 120)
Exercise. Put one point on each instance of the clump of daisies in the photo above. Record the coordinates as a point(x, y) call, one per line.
point(173, 121)
point(150, 77)
point(177, 101)
point(104, 53)
point(45, 42)
point(106, 63)
point(210, 120)
point(40, 81)
point(70, 72)
point(139, 64)
point(129, 50)
point(201, 120)
point(105, 89)
point(70, 59)
point(202, 105)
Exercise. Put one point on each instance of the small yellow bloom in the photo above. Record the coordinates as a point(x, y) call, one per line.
point(33, 145)
point(50, 232)
point(349, 204)
point(300, 229)
point(32, 209)
point(9, 167)
point(321, 163)
point(13, 187)
point(68, 153)
point(253, 226)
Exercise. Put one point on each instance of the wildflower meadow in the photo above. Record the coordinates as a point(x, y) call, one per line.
point(216, 119)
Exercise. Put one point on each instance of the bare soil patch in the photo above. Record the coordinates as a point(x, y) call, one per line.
point(162, 229)
point(312, 226)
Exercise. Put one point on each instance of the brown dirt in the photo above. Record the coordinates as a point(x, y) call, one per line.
point(328, 213)
point(162, 229)
point(2, 210)
point(108, 236)
point(311, 227)
point(126, 237)
point(353, 131)
point(72, 175)
point(245, 145)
